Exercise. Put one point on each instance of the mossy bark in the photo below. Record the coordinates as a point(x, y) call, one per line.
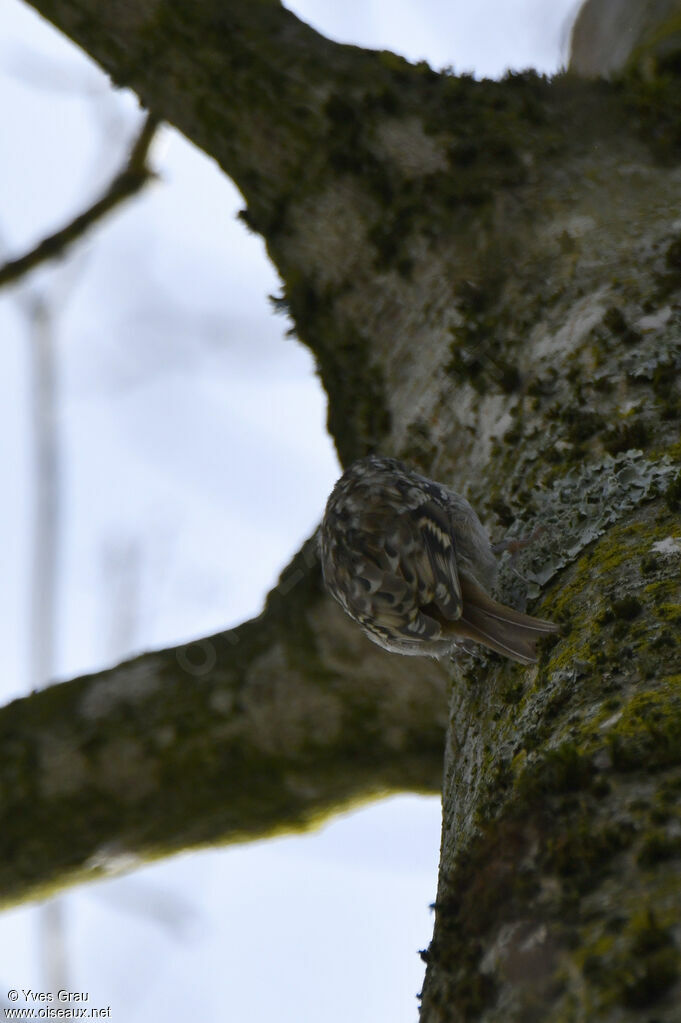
point(489, 277)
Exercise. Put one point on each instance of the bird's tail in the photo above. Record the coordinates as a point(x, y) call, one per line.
point(498, 627)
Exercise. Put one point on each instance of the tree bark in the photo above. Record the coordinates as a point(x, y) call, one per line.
point(489, 276)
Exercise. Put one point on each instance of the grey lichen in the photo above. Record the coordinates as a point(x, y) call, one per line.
point(582, 504)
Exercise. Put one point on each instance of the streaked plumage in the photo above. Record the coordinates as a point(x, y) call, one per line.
point(408, 559)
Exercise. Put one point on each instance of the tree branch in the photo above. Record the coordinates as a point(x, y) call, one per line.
point(489, 277)
point(268, 727)
point(129, 180)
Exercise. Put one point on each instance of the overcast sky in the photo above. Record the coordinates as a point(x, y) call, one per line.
point(193, 461)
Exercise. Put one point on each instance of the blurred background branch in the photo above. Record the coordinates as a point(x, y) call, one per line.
point(271, 726)
point(127, 182)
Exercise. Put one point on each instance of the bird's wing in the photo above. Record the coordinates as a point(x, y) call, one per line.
point(436, 568)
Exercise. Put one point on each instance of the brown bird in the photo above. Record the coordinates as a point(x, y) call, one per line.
point(409, 560)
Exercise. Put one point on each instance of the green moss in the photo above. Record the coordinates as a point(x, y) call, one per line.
point(627, 608)
point(582, 423)
point(513, 434)
point(559, 770)
point(665, 639)
point(648, 734)
point(513, 693)
point(649, 564)
point(348, 145)
point(634, 965)
point(670, 790)
point(394, 62)
point(615, 322)
point(482, 349)
point(652, 965)
point(669, 612)
point(627, 436)
point(664, 378)
point(672, 256)
point(656, 106)
point(503, 512)
point(419, 448)
point(488, 880)
point(673, 494)
point(658, 846)
point(348, 376)
point(660, 590)
point(581, 854)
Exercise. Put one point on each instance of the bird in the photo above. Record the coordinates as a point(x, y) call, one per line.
point(408, 559)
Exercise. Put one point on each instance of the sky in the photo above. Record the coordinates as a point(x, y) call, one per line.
point(193, 461)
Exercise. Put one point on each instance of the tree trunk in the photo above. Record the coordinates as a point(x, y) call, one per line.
point(489, 276)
